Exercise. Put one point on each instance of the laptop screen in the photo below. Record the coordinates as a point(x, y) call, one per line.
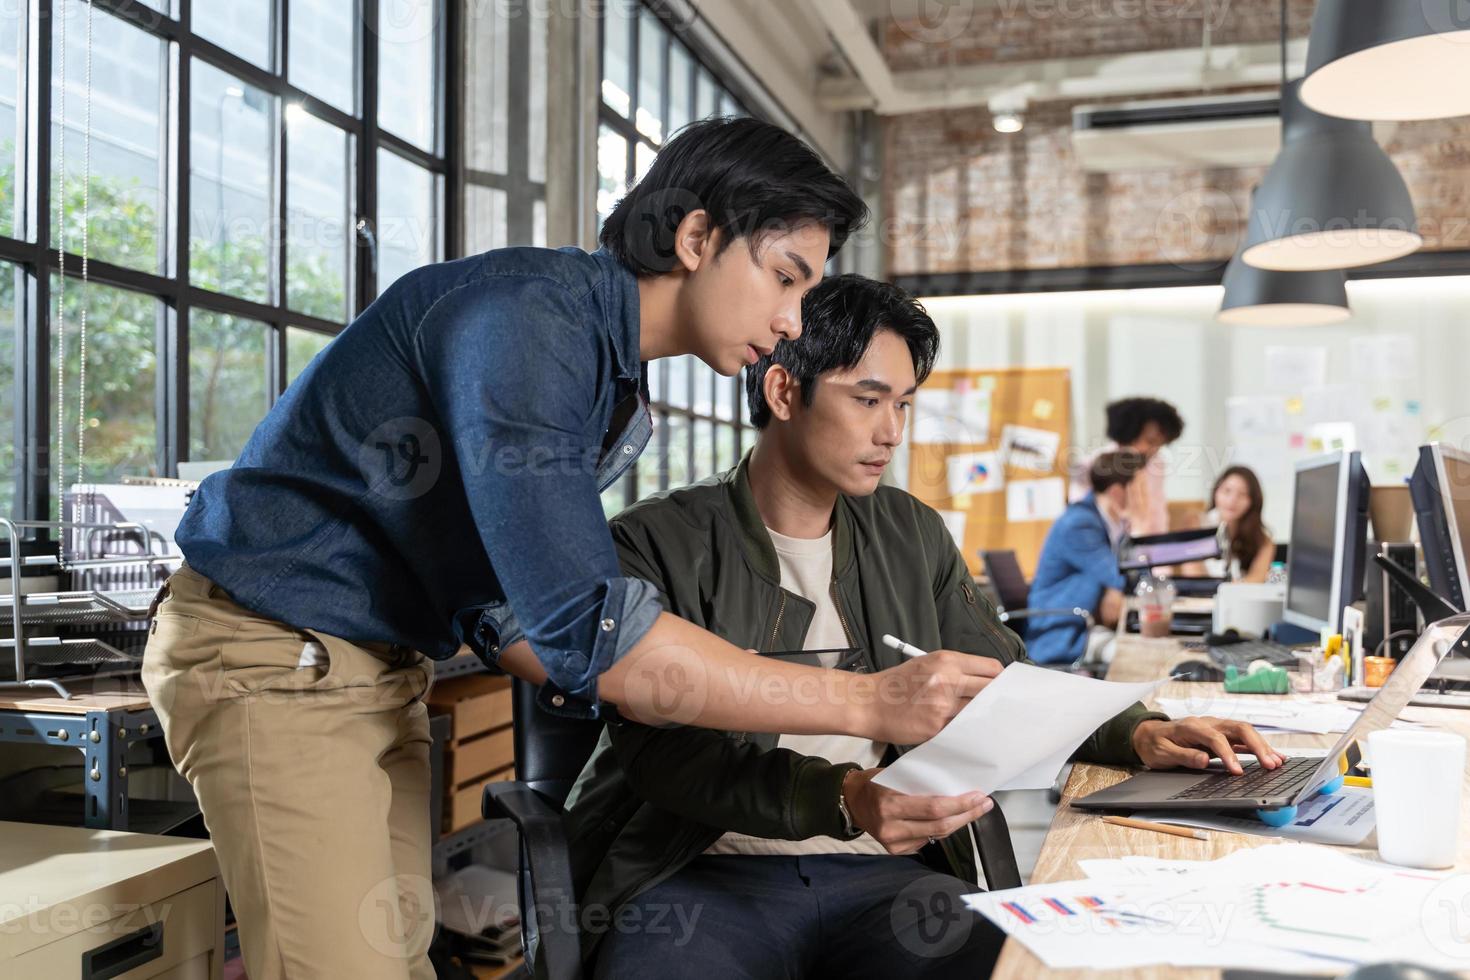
point(1407, 678)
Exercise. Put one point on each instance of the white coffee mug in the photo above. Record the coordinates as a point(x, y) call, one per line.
point(1416, 793)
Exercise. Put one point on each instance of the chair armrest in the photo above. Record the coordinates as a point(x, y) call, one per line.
point(1076, 611)
point(548, 900)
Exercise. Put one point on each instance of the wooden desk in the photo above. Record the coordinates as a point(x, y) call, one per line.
point(1075, 835)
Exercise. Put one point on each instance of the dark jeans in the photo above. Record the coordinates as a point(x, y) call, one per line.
point(829, 915)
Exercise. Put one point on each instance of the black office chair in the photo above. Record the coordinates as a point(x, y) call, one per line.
point(1011, 590)
point(551, 752)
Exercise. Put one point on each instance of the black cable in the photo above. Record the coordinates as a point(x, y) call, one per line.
point(1378, 650)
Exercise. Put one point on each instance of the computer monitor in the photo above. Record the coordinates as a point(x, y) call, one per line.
point(1329, 540)
point(1440, 489)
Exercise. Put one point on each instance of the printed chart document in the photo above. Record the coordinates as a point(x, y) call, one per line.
point(1288, 907)
point(1017, 734)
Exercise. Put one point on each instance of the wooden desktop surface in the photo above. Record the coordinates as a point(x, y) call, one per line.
point(1075, 835)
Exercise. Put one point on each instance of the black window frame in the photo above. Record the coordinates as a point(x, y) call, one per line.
point(35, 258)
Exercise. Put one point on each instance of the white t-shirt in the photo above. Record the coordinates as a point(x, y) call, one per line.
point(806, 569)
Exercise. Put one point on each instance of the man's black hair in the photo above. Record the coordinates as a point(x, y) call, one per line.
point(1114, 468)
point(839, 318)
point(752, 177)
point(1128, 416)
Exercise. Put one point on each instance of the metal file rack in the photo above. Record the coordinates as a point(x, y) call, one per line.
point(44, 627)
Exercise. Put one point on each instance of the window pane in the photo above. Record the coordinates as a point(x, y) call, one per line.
point(679, 380)
point(122, 431)
point(704, 388)
point(486, 225)
point(406, 55)
point(9, 458)
point(244, 28)
point(728, 454)
point(301, 347)
point(651, 464)
point(643, 155)
point(11, 52)
point(706, 96)
point(612, 171)
point(656, 371)
point(318, 215)
point(681, 102)
point(728, 106)
point(408, 209)
point(617, 64)
point(536, 123)
point(704, 450)
point(651, 44)
point(323, 50)
point(538, 224)
point(728, 392)
point(677, 465)
point(487, 88)
point(227, 383)
point(230, 153)
point(127, 88)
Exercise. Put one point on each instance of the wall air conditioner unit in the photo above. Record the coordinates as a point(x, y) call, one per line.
point(1198, 133)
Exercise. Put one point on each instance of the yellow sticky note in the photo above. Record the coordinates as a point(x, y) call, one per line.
point(1043, 409)
point(1293, 406)
point(1381, 404)
point(1315, 445)
point(960, 501)
point(987, 382)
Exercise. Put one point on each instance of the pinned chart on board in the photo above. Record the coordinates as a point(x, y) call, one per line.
point(989, 451)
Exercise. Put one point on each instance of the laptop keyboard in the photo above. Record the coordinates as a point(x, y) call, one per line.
point(1241, 655)
point(1256, 781)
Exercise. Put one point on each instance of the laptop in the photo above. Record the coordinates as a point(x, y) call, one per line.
point(1262, 788)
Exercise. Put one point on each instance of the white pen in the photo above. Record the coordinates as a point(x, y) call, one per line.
point(907, 649)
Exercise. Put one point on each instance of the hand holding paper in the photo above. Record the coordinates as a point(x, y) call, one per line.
point(1016, 734)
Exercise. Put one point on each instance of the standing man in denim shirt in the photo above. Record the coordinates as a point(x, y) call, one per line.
point(432, 480)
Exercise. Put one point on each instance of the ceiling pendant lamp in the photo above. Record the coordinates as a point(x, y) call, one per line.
point(1262, 297)
point(1331, 200)
point(1389, 59)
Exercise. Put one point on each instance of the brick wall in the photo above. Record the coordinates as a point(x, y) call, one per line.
point(961, 197)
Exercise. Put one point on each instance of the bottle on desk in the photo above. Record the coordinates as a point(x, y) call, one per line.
point(1155, 598)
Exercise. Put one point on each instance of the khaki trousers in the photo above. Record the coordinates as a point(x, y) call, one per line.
point(310, 759)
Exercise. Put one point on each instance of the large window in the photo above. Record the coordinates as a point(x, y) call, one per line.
point(652, 85)
point(240, 186)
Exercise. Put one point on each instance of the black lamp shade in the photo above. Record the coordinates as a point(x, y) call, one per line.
point(1263, 297)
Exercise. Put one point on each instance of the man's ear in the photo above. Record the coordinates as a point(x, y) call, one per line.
point(782, 392)
point(694, 240)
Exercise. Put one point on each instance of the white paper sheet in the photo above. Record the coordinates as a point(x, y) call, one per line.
point(1035, 500)
point(1296, 908)
point(1345, 817)
point(999, 740)
point(1026, 448)
point(960, 417)
point(976, 473)
point(1290, 369)
point(1280, 714)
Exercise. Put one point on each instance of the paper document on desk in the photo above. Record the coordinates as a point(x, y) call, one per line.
point(1345, 817)
point(1279, 714)
point(1286, 907)
point(1017, 734)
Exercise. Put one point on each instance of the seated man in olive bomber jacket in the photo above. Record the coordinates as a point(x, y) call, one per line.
point(725, 854)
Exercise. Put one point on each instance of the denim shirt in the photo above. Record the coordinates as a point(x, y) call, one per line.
point(1078, 564)
point(432, 477)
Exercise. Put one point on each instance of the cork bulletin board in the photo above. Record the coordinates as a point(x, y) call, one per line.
point(989, 450)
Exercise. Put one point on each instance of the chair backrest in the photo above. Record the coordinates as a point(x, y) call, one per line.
point(1004, 571)
point(550, 749)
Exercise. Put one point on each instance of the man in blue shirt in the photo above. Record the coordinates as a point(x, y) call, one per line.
point(1078, 568)
point(432, 480)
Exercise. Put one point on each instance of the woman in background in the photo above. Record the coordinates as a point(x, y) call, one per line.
point(1246, 548)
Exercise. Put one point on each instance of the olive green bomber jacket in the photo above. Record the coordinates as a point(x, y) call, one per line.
point(652, 799)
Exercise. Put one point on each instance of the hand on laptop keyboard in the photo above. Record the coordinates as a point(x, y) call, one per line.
point(1192, 742)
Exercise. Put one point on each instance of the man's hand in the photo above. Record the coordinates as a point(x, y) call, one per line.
point(903, 823)
point(910, 703)
point(1192, 742)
